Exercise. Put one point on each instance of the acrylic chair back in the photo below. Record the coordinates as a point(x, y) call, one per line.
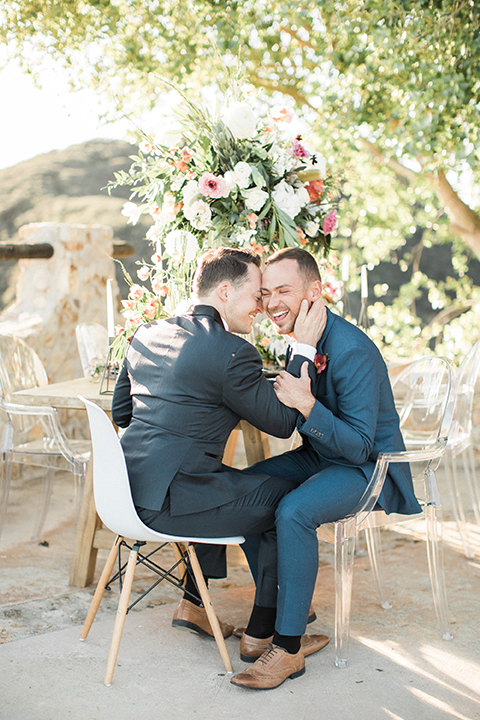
point(20, 369)
point(425, 396)
point(467, 374)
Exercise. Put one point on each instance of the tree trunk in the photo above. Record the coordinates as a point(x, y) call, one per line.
point(464, 221)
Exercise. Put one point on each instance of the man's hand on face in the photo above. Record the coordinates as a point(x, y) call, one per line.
point(310, 322)
point(295, 392)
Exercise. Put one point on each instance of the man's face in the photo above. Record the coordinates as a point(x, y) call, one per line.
point(283, 290)
point(244, 302)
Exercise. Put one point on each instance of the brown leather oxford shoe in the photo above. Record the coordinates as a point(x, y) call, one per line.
point(190, 616)
point(271, 669)
point(252, 648)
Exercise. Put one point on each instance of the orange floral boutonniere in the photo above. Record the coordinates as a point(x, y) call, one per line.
point(320, 362)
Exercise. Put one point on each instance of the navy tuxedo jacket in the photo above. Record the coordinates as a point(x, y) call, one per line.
point(354, 418)
point(184, 385)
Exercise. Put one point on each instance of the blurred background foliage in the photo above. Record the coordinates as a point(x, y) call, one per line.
point(389, 91)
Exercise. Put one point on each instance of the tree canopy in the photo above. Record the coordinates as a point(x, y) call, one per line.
point(392, 89)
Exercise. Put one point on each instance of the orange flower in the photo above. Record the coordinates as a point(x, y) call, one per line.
point(256, 247)
point(302, 238)
point(180, 165)
point(252, 219)
point(186, 154)
point(315, 189)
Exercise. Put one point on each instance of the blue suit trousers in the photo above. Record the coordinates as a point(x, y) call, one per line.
point(324, 493)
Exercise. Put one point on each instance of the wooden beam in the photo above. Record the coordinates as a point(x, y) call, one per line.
point(12, 251)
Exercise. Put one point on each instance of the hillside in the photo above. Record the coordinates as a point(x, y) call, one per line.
point(68, 186)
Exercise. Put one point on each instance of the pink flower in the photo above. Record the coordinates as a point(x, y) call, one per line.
point(119, 330)
point(212, 185)
point(320, 362)
point(298, 150)
point(156, 258)
point(159, 287)
point(143, 273)
point(128, 304)
point(136, 292)
point(330, 222)
point(281, 114)
point(186, 154)
point(150, 308)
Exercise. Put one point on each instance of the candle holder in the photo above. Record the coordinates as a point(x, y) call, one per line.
point(363, 321)
point(110, 372)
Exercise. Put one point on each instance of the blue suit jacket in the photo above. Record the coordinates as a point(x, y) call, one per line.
point(354, 417)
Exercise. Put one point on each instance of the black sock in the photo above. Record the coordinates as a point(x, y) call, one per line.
point(290, 643)
point(190, 587)
point(262, 622)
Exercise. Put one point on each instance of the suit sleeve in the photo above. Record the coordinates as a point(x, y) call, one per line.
point(250, 395)
point(122, 406)
point(350, 435)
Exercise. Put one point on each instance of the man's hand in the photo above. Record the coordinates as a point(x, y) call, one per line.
point(310, 322)
point(295, 392)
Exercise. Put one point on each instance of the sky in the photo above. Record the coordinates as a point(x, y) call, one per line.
point(35, 121)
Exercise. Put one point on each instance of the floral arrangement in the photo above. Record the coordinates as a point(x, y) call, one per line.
point(236, 180)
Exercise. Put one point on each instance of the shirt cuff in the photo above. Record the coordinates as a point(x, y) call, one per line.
point(307, 351)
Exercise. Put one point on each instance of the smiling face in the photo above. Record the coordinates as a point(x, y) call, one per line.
point(242, 302)
point(283, 289)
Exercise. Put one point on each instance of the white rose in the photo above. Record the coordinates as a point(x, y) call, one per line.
point(240, 120)
point(302, 195)
point(181, 242)
point(190, 194)
point(255, 198)
point(285, 198)
point(311, 228)
point(241, 173)
point(202, 215)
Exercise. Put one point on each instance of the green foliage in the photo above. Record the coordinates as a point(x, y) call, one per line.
point(390, 88)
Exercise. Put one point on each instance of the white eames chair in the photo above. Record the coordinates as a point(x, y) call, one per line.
point(115, 507)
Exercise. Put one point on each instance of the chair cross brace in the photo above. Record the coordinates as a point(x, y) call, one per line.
point(154, 567)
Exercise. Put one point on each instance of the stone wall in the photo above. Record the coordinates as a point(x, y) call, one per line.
point(53, 296)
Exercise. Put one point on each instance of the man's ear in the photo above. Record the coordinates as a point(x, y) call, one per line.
point(315, 290)
point(223, 291)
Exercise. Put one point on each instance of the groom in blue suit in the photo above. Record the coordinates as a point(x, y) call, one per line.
point(347, 417)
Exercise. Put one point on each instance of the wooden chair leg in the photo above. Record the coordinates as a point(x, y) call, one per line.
point(100, 589)
point(181, 567)
point(205, 595)
point(121, 615)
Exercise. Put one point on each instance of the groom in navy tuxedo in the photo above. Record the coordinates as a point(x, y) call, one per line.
point(347, 417)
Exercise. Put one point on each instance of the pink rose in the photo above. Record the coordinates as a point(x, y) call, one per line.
point(298, 150)
point(330, 222)
point(212, 185)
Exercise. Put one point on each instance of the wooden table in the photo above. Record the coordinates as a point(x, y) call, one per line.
point(91, 535)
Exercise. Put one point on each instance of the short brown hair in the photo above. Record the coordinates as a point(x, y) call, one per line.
point(222, 263)
point(307, 265)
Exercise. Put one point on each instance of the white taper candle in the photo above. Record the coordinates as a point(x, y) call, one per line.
point(110, 315)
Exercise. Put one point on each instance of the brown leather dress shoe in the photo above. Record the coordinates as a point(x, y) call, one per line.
point(190, 616)
point(312, 616)
point(271, 669)
point(252, 648)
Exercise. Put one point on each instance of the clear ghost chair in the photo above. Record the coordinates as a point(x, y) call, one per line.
point(92, 343)
point(460, 444)
point(425, 396)
point(32, 435)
